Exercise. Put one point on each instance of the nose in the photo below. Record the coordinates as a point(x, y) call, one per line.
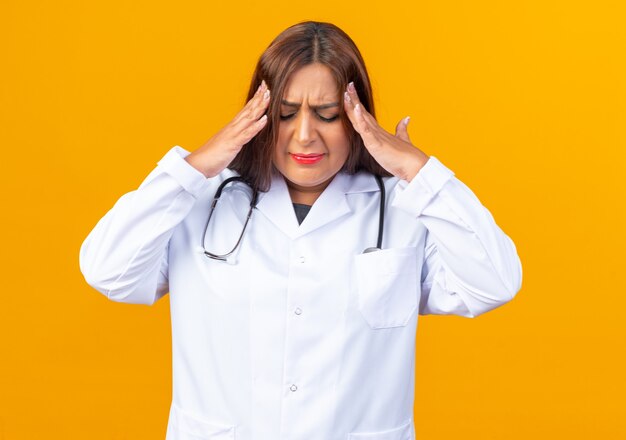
point(305, 128)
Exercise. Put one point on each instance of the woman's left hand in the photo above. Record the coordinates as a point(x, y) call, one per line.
point(396, 153)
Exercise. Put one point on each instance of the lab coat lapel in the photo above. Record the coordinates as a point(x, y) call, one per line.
point(332, 204)
point(328, 207)
point(275, 204)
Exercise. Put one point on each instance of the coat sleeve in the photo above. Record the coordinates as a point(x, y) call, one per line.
point(470, 265)
point(125, 256)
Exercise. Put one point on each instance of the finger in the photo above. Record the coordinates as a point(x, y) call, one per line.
point(259, 101)
point(253, 103)
point(354, 110)
point(261, 105)
point(245, 135)
point(252, 113)
point(349, 107)
point(257, 95)
point(402, 129)
point(354, 97)
point(370, 133)
point(351, 101)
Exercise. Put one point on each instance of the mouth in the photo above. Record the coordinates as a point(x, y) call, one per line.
point(307, 159)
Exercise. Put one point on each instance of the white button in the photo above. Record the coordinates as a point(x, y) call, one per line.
point(293, 387)
point(302, 259)
point(298, 311)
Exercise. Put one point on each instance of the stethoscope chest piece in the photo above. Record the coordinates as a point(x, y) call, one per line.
point(371, 249)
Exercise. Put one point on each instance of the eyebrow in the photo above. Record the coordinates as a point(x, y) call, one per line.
point(315, 107)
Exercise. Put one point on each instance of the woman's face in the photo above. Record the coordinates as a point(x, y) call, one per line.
point(312, 142)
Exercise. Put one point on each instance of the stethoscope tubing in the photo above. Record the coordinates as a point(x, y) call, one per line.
point(253, 203)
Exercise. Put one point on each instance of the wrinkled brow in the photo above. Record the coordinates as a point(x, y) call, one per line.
point(315, 107)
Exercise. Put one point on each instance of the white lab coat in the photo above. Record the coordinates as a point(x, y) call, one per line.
point(300, 336)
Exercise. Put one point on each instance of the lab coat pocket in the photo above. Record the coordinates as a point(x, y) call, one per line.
point(387, 286)
point(185, 426)
point(402, 432)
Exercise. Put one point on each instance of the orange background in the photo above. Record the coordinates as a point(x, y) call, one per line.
point(525, 101)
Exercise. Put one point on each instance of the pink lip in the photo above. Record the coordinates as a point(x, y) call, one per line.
point(306, 159)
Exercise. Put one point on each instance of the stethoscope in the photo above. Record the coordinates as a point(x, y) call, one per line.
point(253, 202)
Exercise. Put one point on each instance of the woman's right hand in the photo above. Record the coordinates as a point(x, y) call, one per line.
point(216, 153)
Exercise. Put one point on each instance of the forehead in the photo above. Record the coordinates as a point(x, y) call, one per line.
point(313, 83)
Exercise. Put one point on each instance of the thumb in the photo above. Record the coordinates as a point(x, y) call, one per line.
point(401, 129)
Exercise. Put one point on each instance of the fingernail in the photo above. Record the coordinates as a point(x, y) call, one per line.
point(266, 95)
point(406, 120)
point(351, 86)
point(346, 96)
point(263, 84)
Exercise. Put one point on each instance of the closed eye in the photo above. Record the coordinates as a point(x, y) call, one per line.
point(331, 119)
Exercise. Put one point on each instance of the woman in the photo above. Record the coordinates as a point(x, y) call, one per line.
point(298, 333)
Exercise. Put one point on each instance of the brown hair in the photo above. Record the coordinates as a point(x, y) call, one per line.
point(299, 45)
